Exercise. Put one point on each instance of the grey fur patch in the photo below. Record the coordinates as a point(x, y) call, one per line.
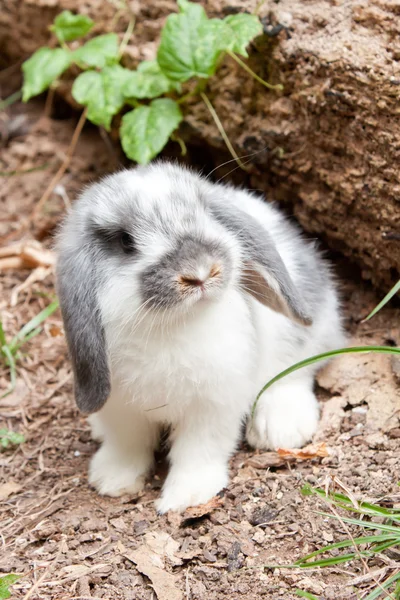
point(77, 284)
point(260, 249)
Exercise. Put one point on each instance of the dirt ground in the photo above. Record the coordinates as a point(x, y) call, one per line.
point(67, 542)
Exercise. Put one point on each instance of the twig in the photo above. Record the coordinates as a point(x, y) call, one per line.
point(63, 167)
point(221, 130)
point(37, 583)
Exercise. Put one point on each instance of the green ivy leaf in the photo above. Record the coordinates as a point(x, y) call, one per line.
point(244, 28)
point(145, 130)
point(42, 68)
point(5, 583)
point(69, 27)
point(191, 43)
point(98, 52)
point(148, 81)
point(101, 92)
point(8, 437)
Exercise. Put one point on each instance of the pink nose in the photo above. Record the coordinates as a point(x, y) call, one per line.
point(192, 281)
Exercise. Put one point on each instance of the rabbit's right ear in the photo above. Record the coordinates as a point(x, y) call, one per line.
point(264, 275)
point(77, 291)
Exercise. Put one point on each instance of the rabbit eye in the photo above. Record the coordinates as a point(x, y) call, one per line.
point(126, 242)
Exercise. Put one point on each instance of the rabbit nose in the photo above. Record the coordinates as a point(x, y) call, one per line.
point(192, 281)
point(199, 278)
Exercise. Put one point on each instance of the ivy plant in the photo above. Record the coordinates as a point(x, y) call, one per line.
point(190, 51)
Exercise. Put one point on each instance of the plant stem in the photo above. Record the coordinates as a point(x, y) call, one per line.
point(239, 61)
point(127, 36)
point(176, 138)
point(10, 100)
point(222, 130)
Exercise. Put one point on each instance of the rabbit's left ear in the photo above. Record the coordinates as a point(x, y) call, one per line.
point(77, 292)
point(264, 276)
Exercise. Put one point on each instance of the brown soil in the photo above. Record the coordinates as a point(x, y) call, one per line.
point(67, 542)
point(327, 146)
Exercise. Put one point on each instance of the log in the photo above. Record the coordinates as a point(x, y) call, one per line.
point(327, 147)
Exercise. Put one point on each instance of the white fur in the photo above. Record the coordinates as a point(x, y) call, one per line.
point(200, 374)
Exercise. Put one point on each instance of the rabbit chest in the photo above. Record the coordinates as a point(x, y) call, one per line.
point(210, 359)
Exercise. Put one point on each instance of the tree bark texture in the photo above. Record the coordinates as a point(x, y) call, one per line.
point(327, 146)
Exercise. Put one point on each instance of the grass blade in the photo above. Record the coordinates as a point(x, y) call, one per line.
point(3, 340)
point(385, 585)
point(13, 370)
point(303, 594)
point(319, 357)
point(367, 539)
point(344, 502)
point(382, 303)
point(367, 524)
point(32, 325)
point(331, 561)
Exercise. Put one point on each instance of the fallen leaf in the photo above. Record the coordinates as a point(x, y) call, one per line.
point(164, 545)
point(266, 460)
point(73, 572)
point(283, 455)
point(9, 489)
point(163, 583)
point(311, 451)
point(197, 512)
point(55, 330)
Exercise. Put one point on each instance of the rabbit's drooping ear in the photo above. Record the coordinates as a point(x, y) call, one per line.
point(265, 275)
point(76, 283)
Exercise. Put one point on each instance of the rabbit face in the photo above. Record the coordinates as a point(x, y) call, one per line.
point(157, 246)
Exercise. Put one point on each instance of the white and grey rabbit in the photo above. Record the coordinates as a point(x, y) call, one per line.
point(180, 299)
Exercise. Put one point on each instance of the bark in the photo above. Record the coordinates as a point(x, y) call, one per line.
point(328, 146)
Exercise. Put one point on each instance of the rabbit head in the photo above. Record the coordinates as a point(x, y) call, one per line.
point(151, 240)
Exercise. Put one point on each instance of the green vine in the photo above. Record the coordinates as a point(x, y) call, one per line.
point(190, 50)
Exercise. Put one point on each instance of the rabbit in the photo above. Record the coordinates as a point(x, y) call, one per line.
point(180, 299)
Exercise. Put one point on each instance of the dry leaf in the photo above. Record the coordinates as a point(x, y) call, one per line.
point(162, 544)
point(197, 512)
point(9, 489)
point(163, 583)
point(55, 330)
point(311, 451)
point(72, 572)
point(266, 460)
point(283, 455)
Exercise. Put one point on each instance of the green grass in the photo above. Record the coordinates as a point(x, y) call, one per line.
point(8, 438)
point(385, 300)
point(379, 527)
point(5, 583)
point(9, 350)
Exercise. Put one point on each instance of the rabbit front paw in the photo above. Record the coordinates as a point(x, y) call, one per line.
point(184, 488)
point(114, 475)
point(288, 418)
